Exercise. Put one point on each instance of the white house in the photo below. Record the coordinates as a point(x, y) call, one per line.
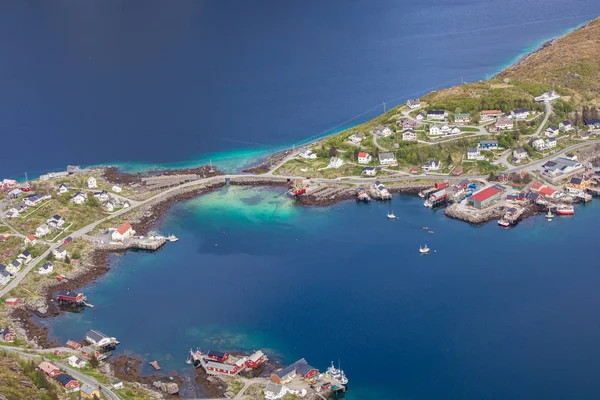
point(76, 362)
point(519, 153)
point(539, 144)
point(335, 162)
point(369, 171)
point(504, 123)
point(109, 206)
point(117, 189)
point(383, 131)
point(364, 158)
point(25, 256)
point(123, 232)
point(92, 183)
point(488, 145)
point(548, 96)
point(387, 159)
point(79, 198)
point(63, 188)
point(46, 269)
point(409, 135)
point(488, 115)
point(126, 204)
point(42, 230)
point(551, 143)
point(455, 130)
point(4, 276)
point(33, 199)
point(307, 153)
point(431, 165)
point(30, 240)
point(474, 154)
point(462, 118)
point(274, 391)
point(60, 252)
point(356, 138)
point(98, 338)
point(435, 130)
point(102, 196)
point(420, 116)
point(56, 221)
point(552, 131)
point(566, 126)
point(439, 115)
point(520, 113)
point(14, 267)
point(413, 104)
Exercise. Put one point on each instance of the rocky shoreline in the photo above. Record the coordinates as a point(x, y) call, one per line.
point(266, 165)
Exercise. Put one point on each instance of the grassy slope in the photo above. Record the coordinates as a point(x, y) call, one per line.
point(570, 62)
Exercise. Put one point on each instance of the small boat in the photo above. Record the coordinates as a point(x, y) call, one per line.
point(431, 232)
point(549, 215)
point(391, 215)
point(188, 360)
point(423, 249)
point(425, 228)
point(504, 223)
point(155, 365)
point(422, 195)
point(565, 209)
point(172, 238)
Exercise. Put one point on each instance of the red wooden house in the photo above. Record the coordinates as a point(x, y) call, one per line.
point(220, 368)
point(73, 345)
point(67, 381)
point(12, 301)
point(255, 359)
point(88, 352)
point(442, 185)
point(68, 240)
point(70, 297)
point(49, 369)
point(217, 356)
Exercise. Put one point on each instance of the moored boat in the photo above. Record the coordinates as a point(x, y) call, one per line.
point(423, 249)
point(391, 215)
point(503, 222)
point(172, 238)
point(549, 215)
point(565, 209)
point(337, 374)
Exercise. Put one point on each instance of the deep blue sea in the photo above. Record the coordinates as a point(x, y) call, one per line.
point(489, 314)
point(147, 83)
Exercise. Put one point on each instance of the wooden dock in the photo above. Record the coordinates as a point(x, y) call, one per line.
point(155, 365)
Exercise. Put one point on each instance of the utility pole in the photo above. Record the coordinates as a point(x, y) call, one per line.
point(384, 110)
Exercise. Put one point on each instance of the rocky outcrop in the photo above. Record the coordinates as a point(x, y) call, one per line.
point(472, 215)
point(169, 387)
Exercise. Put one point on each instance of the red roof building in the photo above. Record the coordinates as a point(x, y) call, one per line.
point(485, 197)
point(362, 154)
point(537, 186)
point(12, 301)
point(546, 191)
point(49, 369)
point(255, 359)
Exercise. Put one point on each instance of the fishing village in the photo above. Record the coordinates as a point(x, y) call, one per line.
point(500, 150)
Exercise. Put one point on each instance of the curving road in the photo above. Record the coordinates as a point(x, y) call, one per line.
point(106, 390)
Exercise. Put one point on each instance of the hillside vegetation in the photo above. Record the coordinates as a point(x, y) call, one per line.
point(570, 62)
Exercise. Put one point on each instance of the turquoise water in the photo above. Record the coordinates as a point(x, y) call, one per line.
point(491, 313)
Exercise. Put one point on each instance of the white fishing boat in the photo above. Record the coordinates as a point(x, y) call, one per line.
point(504, 223)
point(172, 238)
point(337, 374)
point(423, 249)
point(391, 215)
point(549, 215)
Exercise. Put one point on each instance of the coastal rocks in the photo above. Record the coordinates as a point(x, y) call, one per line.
point(326, 195)
point(472, 215)
point(169, 388)
point(410, 188)
point(269, 163)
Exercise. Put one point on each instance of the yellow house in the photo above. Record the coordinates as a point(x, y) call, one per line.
point(89, 391)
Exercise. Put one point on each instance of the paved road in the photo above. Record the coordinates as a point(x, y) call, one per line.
point(548, 111)
point(106, 390)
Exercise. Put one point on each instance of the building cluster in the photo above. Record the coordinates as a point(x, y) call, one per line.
point(219, 363)
point(68, 382)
